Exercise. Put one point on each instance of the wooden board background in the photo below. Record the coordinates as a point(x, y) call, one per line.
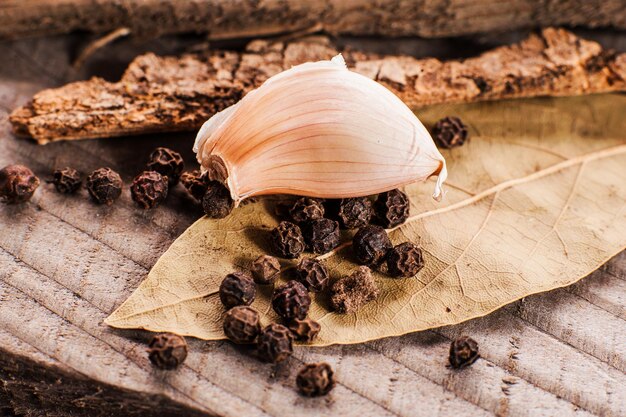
point(66, 263)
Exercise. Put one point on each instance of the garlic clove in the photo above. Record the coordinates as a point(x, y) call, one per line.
point(318, 130)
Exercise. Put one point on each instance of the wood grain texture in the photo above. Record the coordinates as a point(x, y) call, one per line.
point(65, 264)
point(221, 19)
point(160, 94)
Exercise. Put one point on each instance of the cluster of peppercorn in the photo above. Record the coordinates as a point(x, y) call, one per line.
point(314, 224)
point(291, 301)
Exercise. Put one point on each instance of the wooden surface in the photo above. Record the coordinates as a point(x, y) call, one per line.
point(223, 19)
point(66, 263)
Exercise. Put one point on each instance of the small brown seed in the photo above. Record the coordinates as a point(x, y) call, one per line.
point(275, 343)
point(104, 186)
point(450, 132)
point(195, 183)
point(17, 184)
point(265, 269)
point(287, 240)
point(351, 292)
point(167, 351)
point(463, 352)
point(404, 260)
point(237, 289)
point(392, 208)
point(306, 209)
point(315, 379)
point(321, 235)
point(291, 301)
point(355, 212)
point(217, 202)
point(312, 274)
point(66, 180)
point(371, 244)
point(304, 330)
point(168, 163)
point(149, 189)
point(242, 325)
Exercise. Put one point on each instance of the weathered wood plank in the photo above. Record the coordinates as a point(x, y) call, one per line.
point(221, 19)
point(66, 263)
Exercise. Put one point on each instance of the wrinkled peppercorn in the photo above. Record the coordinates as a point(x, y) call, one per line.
point(217, 202)
point(392, 208)
point(275, 343)
point(354, 212)
point(463, 352)
point(167, 351)
point(265, 269)
point(313, 274)
point(17, 184)
point(321, 235)
point(371, 244)
point(104, 186)
point(237, 289)
point(350, 293)
point(195, 183)
point(306, 209)
point(291, 301)
point(66, 180)
point(404, 260)
point(287, 240)
point(315, 379)
point(167, 163)
point(304, 330)
point(450, 132)
point(242, 325)
point(149, 189)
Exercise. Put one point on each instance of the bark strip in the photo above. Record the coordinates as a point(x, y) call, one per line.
point(221, 19)
point(161, 94)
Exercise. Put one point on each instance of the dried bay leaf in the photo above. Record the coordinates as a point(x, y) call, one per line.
point(536, 200)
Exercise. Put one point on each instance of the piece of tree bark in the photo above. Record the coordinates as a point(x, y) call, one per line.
point(159, 94)
point(222, 19)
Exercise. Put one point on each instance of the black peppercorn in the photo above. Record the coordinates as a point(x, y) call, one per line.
point(275, 343)
point(265, 269)
point(167, 163)
point(306, 209)
point(350, 293)
point(149, 189)
point(291, 301)
point(463, 352)
point(392, 208)
point(217, 202)
point(371, 244)
point(167, 351)
point(404, 260)
point(104, 186)
point(315, 379)
point(195, 183)
point(17, 184)
point(304, 330)
point(354, 212)
point(321, 235)
point(66, 180)
point(313, 274)
point(242, 325)
point(237, 289)
point(287, 240)
point(450, 132)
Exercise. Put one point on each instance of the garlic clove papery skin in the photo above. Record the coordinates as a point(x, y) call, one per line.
point(318, 130)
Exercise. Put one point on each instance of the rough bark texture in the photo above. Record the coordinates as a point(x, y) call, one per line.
point(250, 18)
point(158, 94)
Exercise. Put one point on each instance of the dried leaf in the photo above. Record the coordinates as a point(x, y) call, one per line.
point(536, 201)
